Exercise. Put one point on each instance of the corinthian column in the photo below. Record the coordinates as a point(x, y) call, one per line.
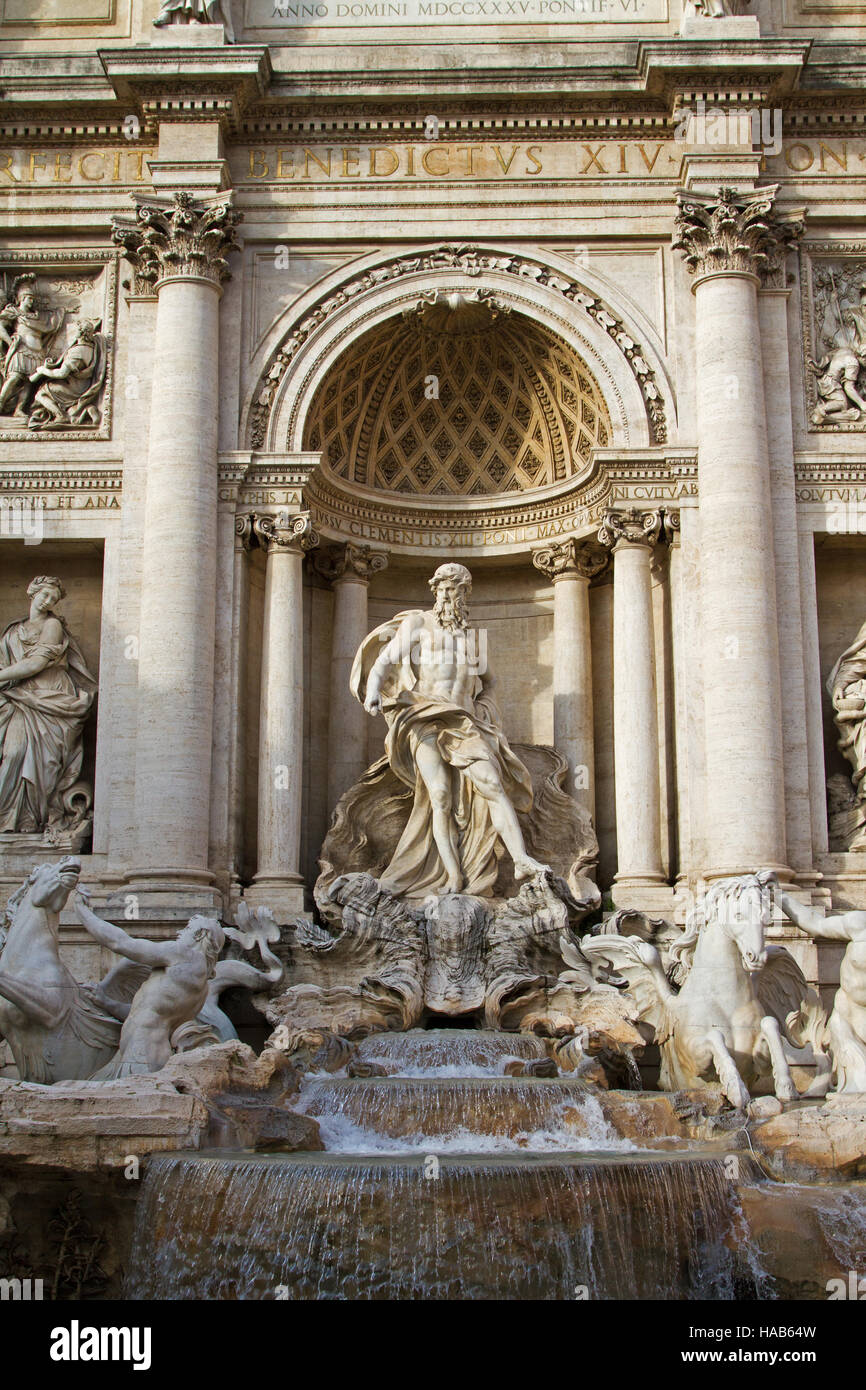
point(349, 571)
point(570, 566)
point(631, 535)
point(178, 250)
point(728, 240)
point(278, 883)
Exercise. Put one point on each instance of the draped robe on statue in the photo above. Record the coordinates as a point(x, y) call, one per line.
point(41, 723)
point(462, 739)
point(847, 682)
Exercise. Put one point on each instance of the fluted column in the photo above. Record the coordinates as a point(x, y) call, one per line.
point(278, 882)
point(349, 571)
point(631, 535)
point(178, 250)
point(728, 240)
point(570, 566)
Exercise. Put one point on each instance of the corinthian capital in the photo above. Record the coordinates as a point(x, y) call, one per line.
point(352, 563)
point(182, 238)
point(571, 558)
point(734, 231)
point(630, 526)
point(285, 532)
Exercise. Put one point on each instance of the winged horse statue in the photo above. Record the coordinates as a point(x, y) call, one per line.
point(743, 1011)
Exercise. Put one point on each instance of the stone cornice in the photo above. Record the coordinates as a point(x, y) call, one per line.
point(311, 123)
point(597, 79)
point(63, 490)
point(189, 84)
point(509, 524)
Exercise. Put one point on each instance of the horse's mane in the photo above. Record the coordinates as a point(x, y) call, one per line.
point(18, 897)
point(711, 906)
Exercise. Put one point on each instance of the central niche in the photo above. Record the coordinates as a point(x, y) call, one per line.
point(516, 407)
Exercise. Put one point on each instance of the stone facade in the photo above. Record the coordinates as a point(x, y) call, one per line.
point(357, 308)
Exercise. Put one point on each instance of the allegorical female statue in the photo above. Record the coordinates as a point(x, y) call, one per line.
point(846, 685)
point(46, 692)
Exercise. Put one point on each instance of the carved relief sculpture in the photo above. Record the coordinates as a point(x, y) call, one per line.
point(46, 692)
point(840, 330)
point(68, 387)
point(28, 326)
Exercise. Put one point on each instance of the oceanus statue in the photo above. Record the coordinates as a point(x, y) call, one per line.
point(425, 672)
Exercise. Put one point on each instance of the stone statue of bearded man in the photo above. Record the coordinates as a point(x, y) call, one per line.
point(445, 741)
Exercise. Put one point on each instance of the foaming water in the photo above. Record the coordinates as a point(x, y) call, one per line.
point(458, 1115)
point(331, 1227)
point(841, 1214)
point(449, 1051)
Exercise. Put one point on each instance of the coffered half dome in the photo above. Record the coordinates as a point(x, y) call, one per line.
point(460, 396)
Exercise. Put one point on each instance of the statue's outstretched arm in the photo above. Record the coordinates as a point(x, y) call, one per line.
point(847, 926)
point(152, 953)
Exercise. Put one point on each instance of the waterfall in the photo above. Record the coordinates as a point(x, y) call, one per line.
point(457, 1115)
point(527, 1227)
point(449, 1051)
point(446, 1178)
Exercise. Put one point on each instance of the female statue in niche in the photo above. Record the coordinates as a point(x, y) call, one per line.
point(46, 692)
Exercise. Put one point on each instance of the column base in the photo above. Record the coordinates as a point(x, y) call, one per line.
point(786, 876)
point(166, 895)
point(645, 893)
point(284, 894)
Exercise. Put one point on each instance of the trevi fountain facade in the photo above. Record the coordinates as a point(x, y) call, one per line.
point(433, 650)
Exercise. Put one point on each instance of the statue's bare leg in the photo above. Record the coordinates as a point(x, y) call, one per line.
point(437, 779)
point(504, 818)
point(12, 387)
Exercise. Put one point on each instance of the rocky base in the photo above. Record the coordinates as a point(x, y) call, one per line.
point(212, 1096)
point(814, 1141)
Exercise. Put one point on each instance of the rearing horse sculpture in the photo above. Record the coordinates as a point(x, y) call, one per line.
point(744, 1010)
point(58, 1029)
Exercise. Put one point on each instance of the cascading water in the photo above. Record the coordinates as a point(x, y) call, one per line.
point(409, 1228)
point(458, 1115)
point(449, 1051)
point(446, 1178)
